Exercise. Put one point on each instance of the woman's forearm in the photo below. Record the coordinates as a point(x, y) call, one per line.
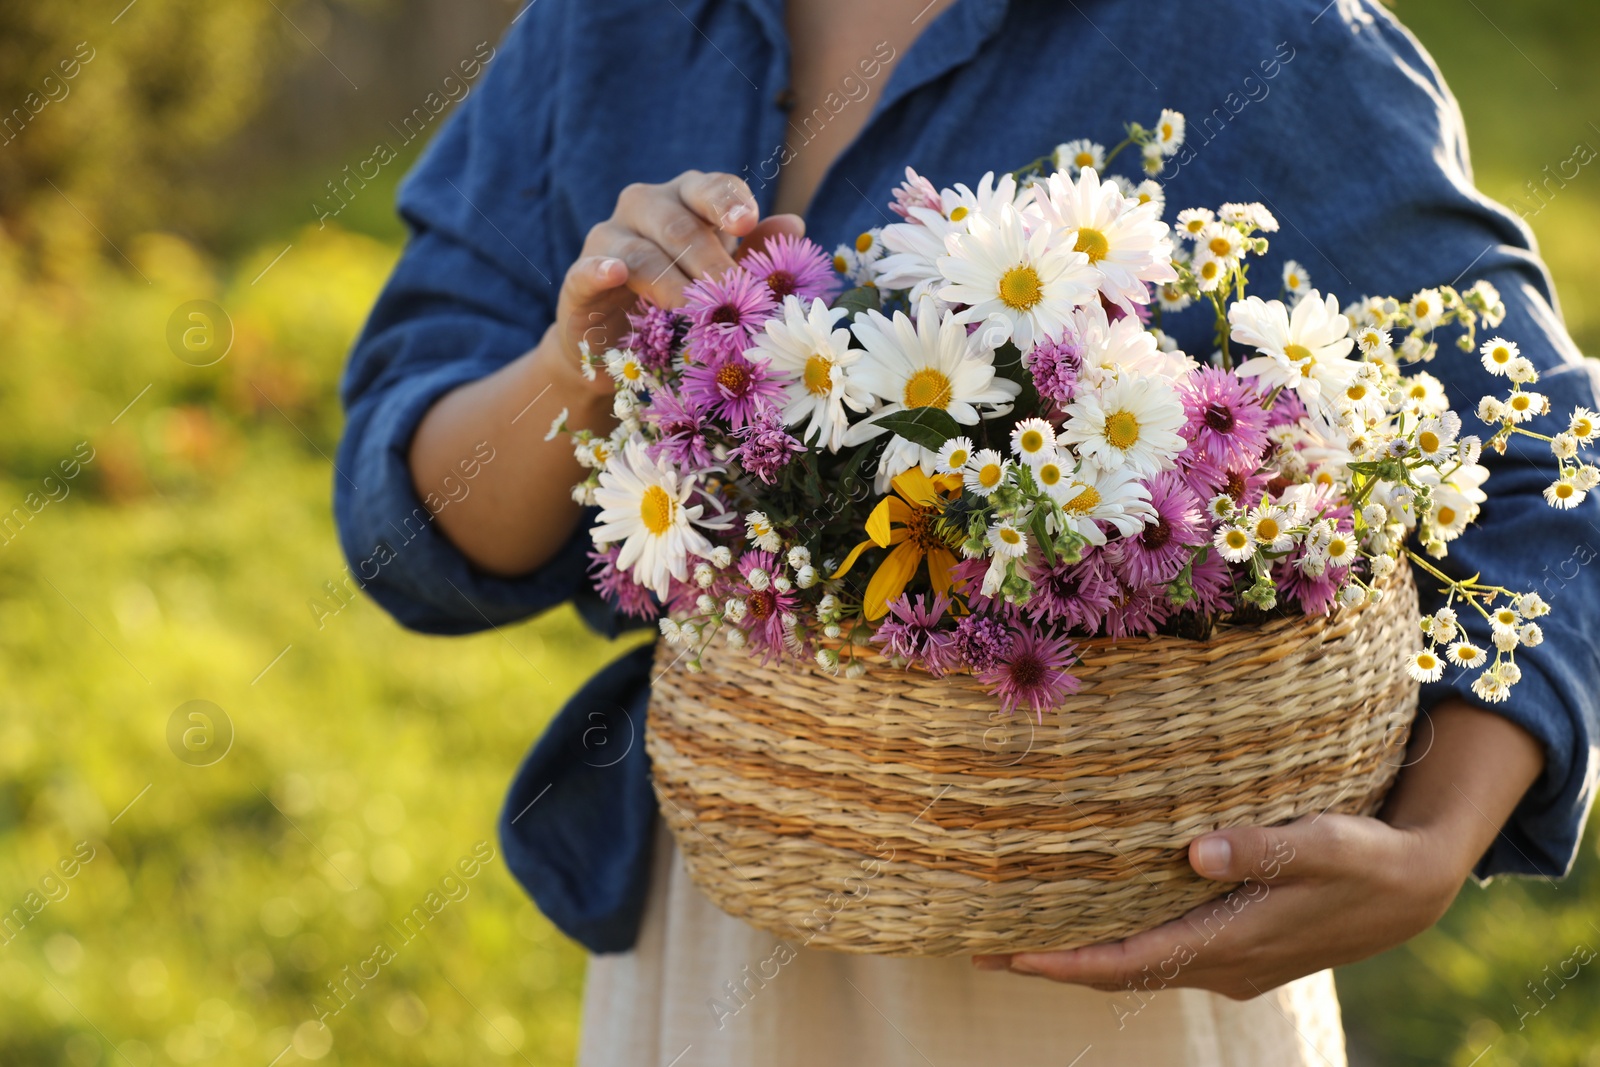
point(519, 510)
point(1466, 771)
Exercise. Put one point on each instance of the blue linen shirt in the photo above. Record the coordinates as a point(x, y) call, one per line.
point(1334, 116)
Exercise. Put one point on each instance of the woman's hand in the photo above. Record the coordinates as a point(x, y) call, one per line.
point(659, 238)
point(1328, 889)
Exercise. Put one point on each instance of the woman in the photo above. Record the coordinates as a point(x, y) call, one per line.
point(619, 149)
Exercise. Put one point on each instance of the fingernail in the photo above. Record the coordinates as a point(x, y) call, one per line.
point(1213, 855)
point(1023, 965)
point(608, 265)
point(736, 212)
point(989, 963)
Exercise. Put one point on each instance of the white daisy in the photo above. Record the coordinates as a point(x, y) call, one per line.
point(1151, 192)
point(1450, 512)
point(1192, 222)
point(1435, 435)
point(1132, 422)
point(1269, 528)
point(643, 504)
point(1223, 242)
point(955, 454)
point(814, 353)
point(1221, 507)
point(1171, 298)
point(986, 472)
point(1033, 441)
point(1006, 541)
point(1584, 424)
point(913, 247)
point(1304, 349)
point(1169, 131)
point(1530, 634)
point(1235, 543)
point(1522, 371)
point(760, 532)
point(1564, 446)
point(625, 369)
point(1122, 347)
point(1466, 654)
point(1340, 549)
point(1209, 271)
point(1563, 493)
point(1074, 156)
point(1124, 240)
point(1426, 308)
point(1054, 475)
point(1425, 666)
point(1373, 341)
point(1489, 688)
point(1295, 279)
point(1028, 283)
point(1092, 496)
point(1524, 405)
point(1497, 354)
point(932, 363)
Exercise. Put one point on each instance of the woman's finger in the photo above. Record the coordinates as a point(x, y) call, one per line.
point(768, 228)
point(652, 273)
point(722, 201)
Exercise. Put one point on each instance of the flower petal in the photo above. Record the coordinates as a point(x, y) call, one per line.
point(890, 579)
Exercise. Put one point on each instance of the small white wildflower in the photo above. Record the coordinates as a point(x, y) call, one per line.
point(955, 454)
point(557, 425)
point(805, 576)
point(1531, 606)
point(1466, 654)
point(1564, 446)
point(736, 638)
point(828, 660)
point(705, 604)
point(1490, 689)
point(1491, 410)
point(1425, 666)
point(1531, 634)
point(1497, 354)
point(1563, 493)
point(1235, 542)
point(721, 557)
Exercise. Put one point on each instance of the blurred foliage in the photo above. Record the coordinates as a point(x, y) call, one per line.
point(192, 558)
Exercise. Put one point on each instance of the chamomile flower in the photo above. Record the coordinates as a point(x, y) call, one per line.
point(1171, 298)
point(1373, 342)
point(1026, 283)
point(1497, 354)
point(1223, 241)
point(1092, 496)
point(1151, 192)
point(1522, 371)
point(1209, 271)
point(1235, 542)
point(1464, 653)
point(1152, 159)
point(644, 504)
point(1269, 528)
point(1426, 309)
point(1490, 688)
point(1033, 441)
point(1586, 477)
point(1192, 222)
point(1125, 241)
point(1053, 476)
point(1563, 493)
point(812, 352)
point(1450, 511)
point(1006, 541)
point(1530, 634)
point(1436, 434)
point(1583, 425)
point(1074, 156)
point(1304, 349)
point(1254, 216)
point(1524, 405)
point(1132, 422)
point(1170, 130)
point(1531, 606)
point(1295, 279)
point(1425, 666)
point(1221, 507)
point(954, 455)
point(986, 473)
point(1491, 410)
point(1340, 549)
point(1564, 446)
point(625, 369)
point(1423, 394)
point(759, 530)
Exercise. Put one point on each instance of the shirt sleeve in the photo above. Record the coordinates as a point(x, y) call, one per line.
point(474, 288)
point(1385, 195)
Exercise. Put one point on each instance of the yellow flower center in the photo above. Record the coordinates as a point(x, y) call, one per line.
point(960, 458)
point(1520, 402)
point(864, 243)
point(1324, 477)
point(1428, 441)
point(657, 509)
point(1010, 536)
point(1093, 244)
point(1122, 429)
point(818, 376)
point(1338, 547)
point(1267, 529)
point(1085, 502)
point(1209, 269)
point(631, 371)
point(1195, 225)
point(958, 213)
point(1356, 392)
point(928, 388)
point(989, 476)
point(1084, 159)
point(1564, 490)
point(1298, 354)
point(1505, 617)
point(841, 265)
point(1500, 354)
point(1031, 441)
point(1166, 131)
point(1447, 515)
point(1468, 655)
point(1049, 474)
point(1293, 281)
point(1236, 539)
point(1427, 661)
point(1582, 428)
point(1020, 288)
point(1220, 246)
point(1419, 392)
point(1424, 309)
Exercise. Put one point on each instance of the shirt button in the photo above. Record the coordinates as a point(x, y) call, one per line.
point(785, 100)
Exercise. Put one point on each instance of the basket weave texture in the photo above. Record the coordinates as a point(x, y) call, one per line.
point(900, 814)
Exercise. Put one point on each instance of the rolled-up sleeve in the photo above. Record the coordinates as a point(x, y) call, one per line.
point(474, 289)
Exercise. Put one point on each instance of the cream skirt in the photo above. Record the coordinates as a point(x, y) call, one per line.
point(703, 989)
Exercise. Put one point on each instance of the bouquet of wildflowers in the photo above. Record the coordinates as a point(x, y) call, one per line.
point(965, 442)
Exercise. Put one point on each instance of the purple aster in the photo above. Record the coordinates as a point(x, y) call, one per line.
point(1226, 423)
point(911, 632)
point(982, 641)
point(1212, 582)
point(725, 315)
point(1156, 554)
point(765, 607)
point(766, 446)
point(657, 335)
point(1287, 408)
point(915, 191)
point(1033, 673)
point(793, 266)
point(967, 577)
point(1076, 595)
point(731, 387)
point(682, 431)
point(1314, 594)
point(617, 586)
point(1137, 613)
point(1054, 366)
point(1245, 486)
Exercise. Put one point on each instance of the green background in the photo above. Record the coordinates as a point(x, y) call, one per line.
point(193, 558)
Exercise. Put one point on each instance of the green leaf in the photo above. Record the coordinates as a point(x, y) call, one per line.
point(861, 298)
point(928, 427)
point(1008, 365)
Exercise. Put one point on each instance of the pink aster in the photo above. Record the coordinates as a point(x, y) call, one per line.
point(1073, 595)
point(765, 608)
point(1212, 582)
point(657, 335)
point(617, 586)
point(1054, 367)
point(1156, 554)
point(1245, 485)
point(765, 446)
point(912, 633)
point(1312, 594)
point(982, 641)
point(1138, 612)
point(967, 578)
point(916, 191)
point(725, 315)
point(1287, 408)
point(793, 266)
point(730, 387)
point(1033, 673)
point(1225, 421)
point(681, 428)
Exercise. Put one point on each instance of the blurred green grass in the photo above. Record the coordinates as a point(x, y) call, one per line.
point(188, 560)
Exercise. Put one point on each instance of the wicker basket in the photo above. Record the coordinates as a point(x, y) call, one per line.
point(899, 814)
